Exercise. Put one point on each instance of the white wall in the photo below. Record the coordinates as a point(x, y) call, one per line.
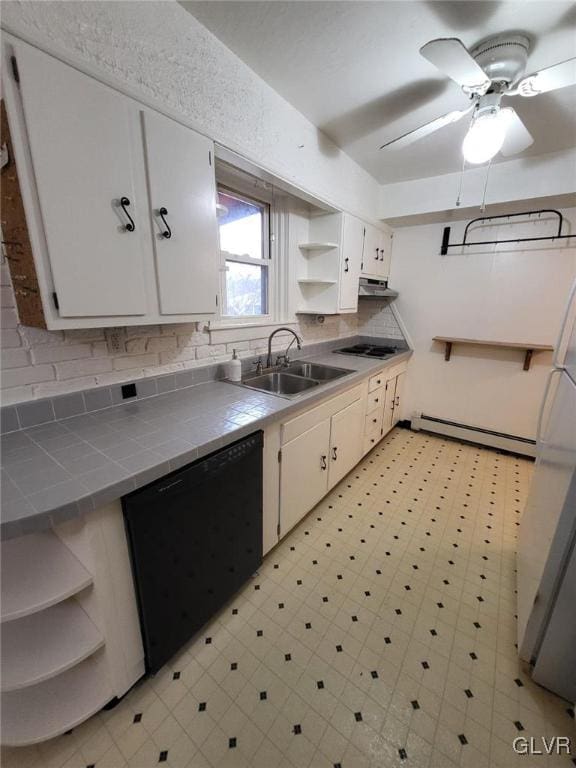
point(515, 180)
point(502, 293)
point(161, 53)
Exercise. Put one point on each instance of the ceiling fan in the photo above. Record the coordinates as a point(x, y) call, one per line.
point(492, 70)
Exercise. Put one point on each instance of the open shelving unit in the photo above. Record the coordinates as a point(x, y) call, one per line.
point(528, 348)
point(67, 635)
point(38, 571)
point(50, 708)
point(318, 266)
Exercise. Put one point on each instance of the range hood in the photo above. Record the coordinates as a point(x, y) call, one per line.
point(375, 289)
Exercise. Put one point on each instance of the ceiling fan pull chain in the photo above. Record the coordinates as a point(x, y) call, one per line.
point(483, 206)
point(458, 199)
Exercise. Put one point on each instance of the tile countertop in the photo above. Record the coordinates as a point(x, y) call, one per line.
point(58, 471)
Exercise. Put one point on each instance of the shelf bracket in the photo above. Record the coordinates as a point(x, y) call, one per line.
point(528, 359)
point(447, 350)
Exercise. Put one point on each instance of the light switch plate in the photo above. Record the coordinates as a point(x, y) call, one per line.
point(115, 340)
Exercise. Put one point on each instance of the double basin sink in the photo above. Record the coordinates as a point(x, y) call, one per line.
point(295, 379)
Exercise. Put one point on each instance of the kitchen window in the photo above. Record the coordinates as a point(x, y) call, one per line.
point(244, 225)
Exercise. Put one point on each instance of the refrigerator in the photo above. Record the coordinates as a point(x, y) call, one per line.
point(546, 568)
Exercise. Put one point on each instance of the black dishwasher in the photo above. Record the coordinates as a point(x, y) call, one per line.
point(195, 537)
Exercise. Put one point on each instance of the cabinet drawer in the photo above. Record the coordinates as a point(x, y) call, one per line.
point(306, 420)
point(375, 400)
point(371, 438)
point(376, 381)
point(373, 421)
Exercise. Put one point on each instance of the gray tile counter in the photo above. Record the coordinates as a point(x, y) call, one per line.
point(68, 467)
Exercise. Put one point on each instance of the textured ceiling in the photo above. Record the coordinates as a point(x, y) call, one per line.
point(354, 70)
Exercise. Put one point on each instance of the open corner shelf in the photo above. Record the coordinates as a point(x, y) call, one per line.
point(42, 711)
point(38, 571)
point(317, 246)
point(528, 348)
point(45, 644)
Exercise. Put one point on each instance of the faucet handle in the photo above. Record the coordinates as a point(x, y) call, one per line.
point(259, 365)
point(283, 360)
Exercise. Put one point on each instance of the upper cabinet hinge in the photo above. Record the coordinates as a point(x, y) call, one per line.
point(279, 456)
point(216, 299)
point(210, 156)
point(14, 65)
point(278, 529)
point(55, 299)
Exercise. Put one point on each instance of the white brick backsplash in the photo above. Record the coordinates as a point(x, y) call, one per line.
point(32, 374)
point(9, 337)
point(39, 363)
point(58, 354)
point(7, 296)
point(178, 355)
point(86, 367)
point(193, 339)
point(207, 351)
point(14, 358)
point(32, 337)
point(134, 361)
point(9, 318)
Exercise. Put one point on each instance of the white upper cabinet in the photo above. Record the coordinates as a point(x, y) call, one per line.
point(87, 154)
point(120, 200)
point(377, 253)
point(185, 230)
point(350, 262)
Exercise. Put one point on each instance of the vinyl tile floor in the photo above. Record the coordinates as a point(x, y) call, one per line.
point(380, 632)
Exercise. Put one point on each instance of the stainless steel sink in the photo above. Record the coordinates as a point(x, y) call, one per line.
point(316, 371)
point(294, 380)
point(280, 383)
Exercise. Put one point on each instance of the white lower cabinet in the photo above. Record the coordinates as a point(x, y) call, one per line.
point(303, 474)
point(383, 405)
point(345, 441)
point(319, 448)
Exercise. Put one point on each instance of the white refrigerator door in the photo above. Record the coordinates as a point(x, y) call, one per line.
point(555, 666)
point(565, 353)
point(549, 519)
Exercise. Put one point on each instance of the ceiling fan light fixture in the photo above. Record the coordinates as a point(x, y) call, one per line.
point(485, 137)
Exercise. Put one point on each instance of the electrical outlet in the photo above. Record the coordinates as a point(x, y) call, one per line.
point(115, 340)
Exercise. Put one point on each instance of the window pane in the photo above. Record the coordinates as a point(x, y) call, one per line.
point(241, 226)
point(246, 289)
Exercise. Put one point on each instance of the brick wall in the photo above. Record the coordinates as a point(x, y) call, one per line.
point(38, 363)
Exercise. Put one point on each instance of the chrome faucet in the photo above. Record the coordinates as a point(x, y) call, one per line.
point(279, 330)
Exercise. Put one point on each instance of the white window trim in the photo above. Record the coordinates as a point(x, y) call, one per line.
point(276, 247)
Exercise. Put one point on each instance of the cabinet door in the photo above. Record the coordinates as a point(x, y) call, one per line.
point(398, 398)
point(390, 394)
point(303, 474)
point(351, 261)
point(181, 182)
point(385, 242)
point(371, 264)
point(346, 435)
point(87, 154)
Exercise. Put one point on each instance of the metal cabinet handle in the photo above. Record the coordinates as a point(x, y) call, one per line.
point(162, 212)
point(382, 254)
point(374, 421)
point(376, 399)
point(124, 203)
point(377, 253)
point(334, 453)
point(378, 381)
point(346, 268)
point(323, 462)
point(397, 403)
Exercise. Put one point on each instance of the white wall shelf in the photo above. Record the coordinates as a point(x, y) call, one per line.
point(314, 281)
point(53, 707)
point(318, 246)
point(45, 644)
point(38, 571)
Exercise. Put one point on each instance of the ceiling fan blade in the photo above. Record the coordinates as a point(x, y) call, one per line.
point(549, 79)
point(518, 137)
point(452, 58)
point(425, 130)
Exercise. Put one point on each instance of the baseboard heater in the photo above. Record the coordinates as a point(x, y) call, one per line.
point(488, 437)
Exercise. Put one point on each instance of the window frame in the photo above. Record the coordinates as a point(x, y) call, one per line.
point(267, 260)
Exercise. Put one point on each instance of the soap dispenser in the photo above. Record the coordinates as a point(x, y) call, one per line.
point(235, 368)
